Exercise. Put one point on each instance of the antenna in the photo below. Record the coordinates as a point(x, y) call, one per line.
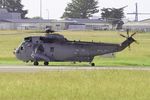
point(41, 8)
point(47, 14)
point(137, 14)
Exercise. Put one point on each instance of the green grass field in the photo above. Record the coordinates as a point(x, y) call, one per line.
point(138, 55)
point(76, 85)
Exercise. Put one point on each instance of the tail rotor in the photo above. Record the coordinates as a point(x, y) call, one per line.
point(128, 37)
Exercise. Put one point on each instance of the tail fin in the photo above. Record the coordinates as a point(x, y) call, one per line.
point(127, 43)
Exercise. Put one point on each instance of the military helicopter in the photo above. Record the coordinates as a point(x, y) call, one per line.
point(56, 48)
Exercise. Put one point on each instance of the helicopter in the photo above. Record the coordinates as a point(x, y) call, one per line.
point(55, 47)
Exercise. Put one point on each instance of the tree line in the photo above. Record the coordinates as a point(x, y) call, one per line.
point(74, 9)
point(86, 8)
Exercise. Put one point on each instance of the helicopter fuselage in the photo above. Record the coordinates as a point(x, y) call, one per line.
point(53, 48)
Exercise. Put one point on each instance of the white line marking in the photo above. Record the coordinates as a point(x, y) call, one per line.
point(64, 68)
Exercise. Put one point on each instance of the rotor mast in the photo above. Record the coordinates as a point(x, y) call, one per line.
point(136, 13)
point(41, 8)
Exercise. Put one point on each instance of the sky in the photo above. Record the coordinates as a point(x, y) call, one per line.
point(55, 8)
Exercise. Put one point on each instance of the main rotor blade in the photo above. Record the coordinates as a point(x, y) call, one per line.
point(131, 13)
point(23, 33)
point(139, 13)
point(129, 48)
point(13, 33)
point(123, 7)
point(144, 13)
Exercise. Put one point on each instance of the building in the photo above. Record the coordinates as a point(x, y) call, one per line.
point(88, 24)
point(4, 14)
point(35, 24)
point(13, 21)
point(141, 26)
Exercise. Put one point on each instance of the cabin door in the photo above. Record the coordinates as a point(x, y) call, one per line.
point(52, 50)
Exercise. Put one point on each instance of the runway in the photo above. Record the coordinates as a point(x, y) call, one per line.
point(64, 68)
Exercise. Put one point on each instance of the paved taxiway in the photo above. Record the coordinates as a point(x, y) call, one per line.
point(63, 68)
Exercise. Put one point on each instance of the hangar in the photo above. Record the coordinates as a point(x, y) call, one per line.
point(88, 24)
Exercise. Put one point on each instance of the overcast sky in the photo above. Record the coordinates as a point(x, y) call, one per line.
point(56, 7)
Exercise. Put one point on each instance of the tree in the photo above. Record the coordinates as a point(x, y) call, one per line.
point(14, 6)
point(81, 9)
point(112, 14)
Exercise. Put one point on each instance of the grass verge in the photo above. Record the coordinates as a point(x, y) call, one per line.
point(76, 85)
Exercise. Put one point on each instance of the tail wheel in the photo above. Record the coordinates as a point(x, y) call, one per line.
point(46, 63)
point(92, 64)
point(36, 63)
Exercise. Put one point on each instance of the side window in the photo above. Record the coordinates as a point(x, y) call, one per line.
point(21, 48)
point(51, 49)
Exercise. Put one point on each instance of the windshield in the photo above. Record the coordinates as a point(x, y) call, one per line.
point(28, 39)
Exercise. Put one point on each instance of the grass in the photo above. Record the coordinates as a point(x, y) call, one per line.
point(138, 55)
point(76, 85)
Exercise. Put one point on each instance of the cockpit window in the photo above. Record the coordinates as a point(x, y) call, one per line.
point(21, 48)
point(28, 39)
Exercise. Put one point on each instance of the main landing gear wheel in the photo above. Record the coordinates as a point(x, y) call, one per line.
point(46, 63)
point(36, 63)
point(92, 64)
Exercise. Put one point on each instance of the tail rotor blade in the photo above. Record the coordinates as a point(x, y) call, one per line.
point(136, 42)
point(133, 34)
point(128, 33)
point(129, 48)
point(123, 35)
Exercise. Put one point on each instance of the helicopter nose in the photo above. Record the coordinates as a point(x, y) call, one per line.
point(14, 52)
point(17, 54)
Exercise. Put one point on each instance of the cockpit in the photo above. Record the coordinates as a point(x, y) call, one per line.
point(21, 47)
point(23, 51)
point(28, 39)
